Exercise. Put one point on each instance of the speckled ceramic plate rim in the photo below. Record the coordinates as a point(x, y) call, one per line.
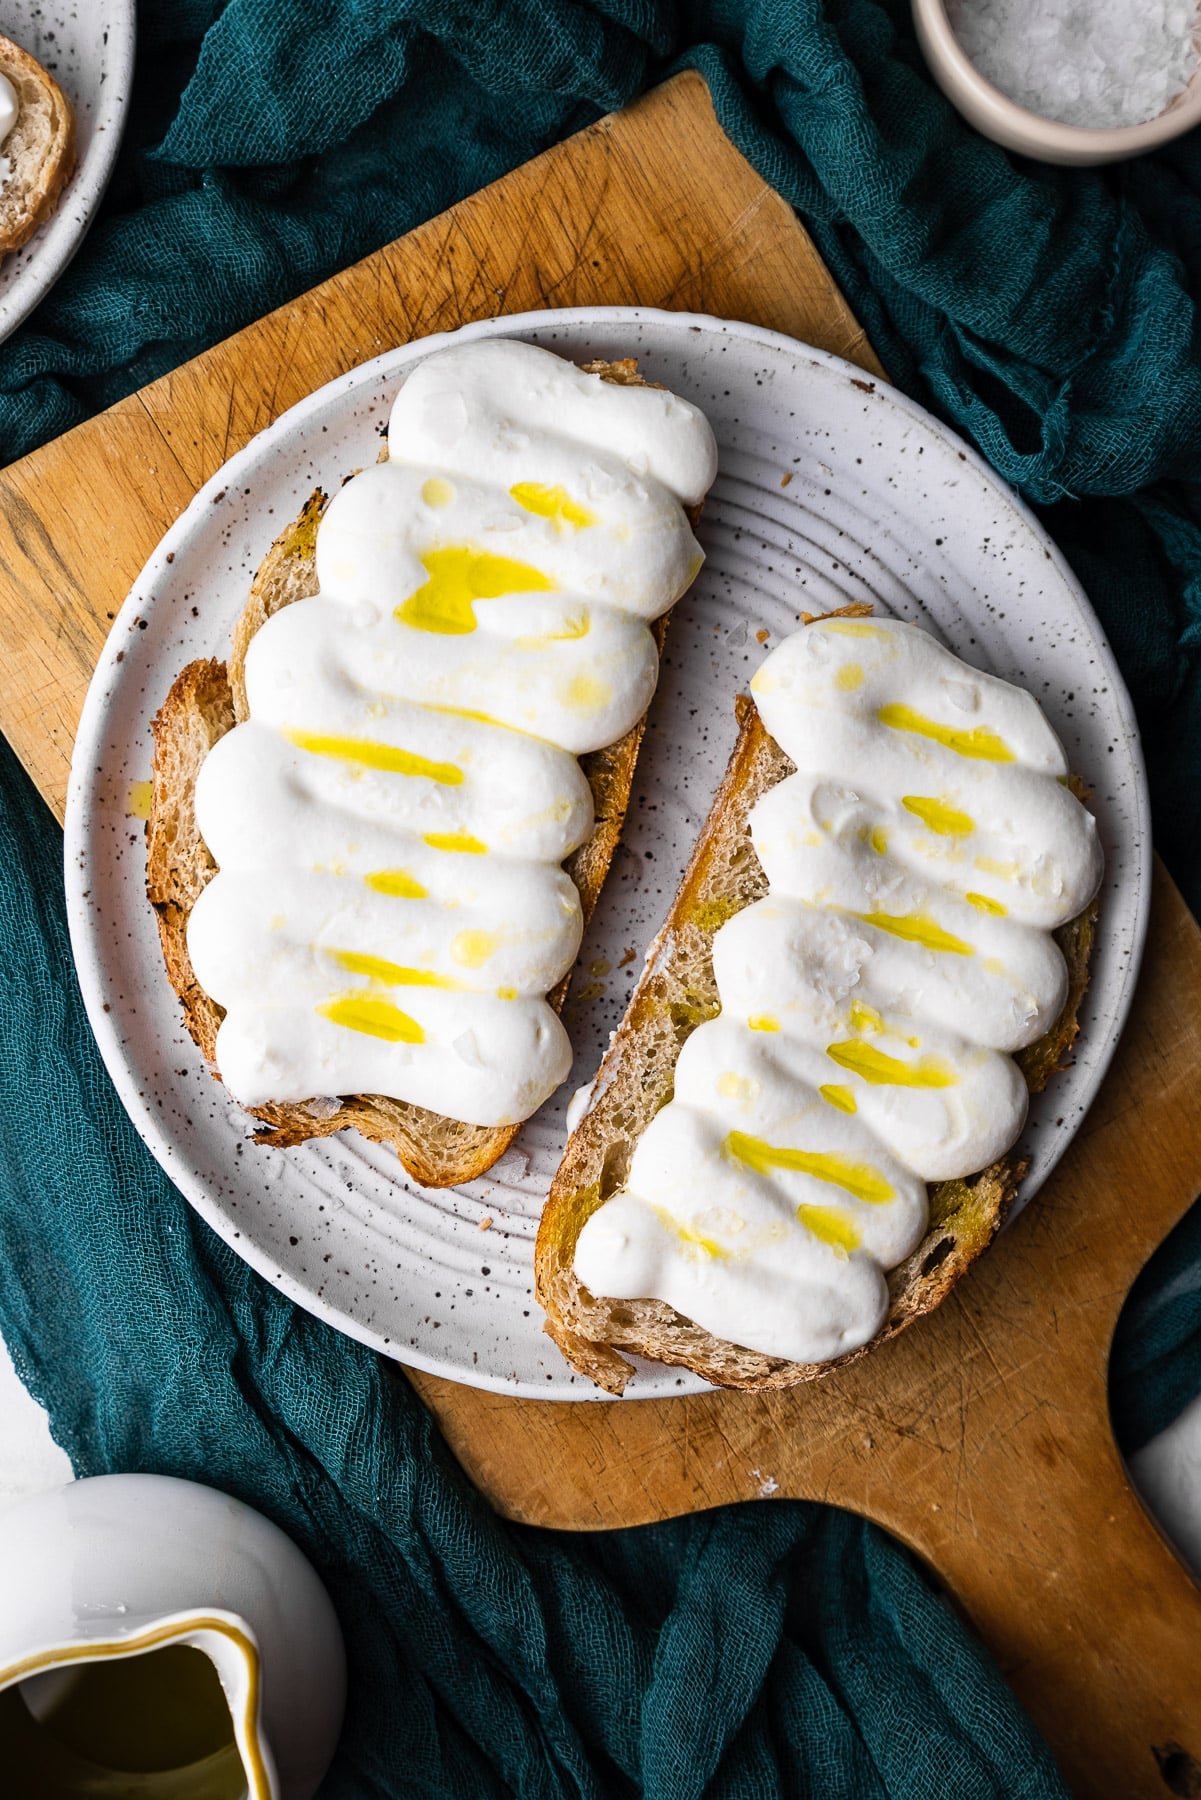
point(56, 241)
point(87, 766)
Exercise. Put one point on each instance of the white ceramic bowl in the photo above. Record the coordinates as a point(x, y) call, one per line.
point(89, 50)
point(1003, 120)
point(831, 488)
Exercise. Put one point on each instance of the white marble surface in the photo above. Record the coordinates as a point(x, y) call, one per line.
point(1167, 1472)
point(30, 1460)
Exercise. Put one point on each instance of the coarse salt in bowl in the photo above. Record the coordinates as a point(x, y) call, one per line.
point(1105, 61)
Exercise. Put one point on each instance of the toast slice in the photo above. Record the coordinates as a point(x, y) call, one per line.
point(675, 994)
point(39, 150)
point(206, 700)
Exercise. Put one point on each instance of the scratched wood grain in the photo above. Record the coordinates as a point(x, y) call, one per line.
point(981, 1437)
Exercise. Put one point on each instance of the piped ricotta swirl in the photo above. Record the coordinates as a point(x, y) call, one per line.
point(918, 861)
point(389, 912)
point(9, 107)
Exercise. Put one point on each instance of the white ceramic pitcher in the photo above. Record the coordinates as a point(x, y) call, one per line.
point(161, 1641)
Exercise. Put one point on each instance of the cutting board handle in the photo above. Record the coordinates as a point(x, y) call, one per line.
point(981, 1436)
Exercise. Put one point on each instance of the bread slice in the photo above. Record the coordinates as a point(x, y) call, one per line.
point(40, 148)
point(677, 993)
point(208, 699)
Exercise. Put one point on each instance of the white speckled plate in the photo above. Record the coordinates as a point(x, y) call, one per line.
point(87, 45)
point(831, 488)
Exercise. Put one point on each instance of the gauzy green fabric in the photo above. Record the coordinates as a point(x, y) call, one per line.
point(770, 1649)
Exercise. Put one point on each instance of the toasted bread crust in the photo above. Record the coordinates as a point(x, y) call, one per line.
point(40, 147)
point(208, 699)
point(676, 993)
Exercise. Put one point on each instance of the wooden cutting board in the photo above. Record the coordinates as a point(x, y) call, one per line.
point(981, 1437)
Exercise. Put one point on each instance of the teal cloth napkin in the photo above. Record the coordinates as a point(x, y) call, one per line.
point(755, 1651)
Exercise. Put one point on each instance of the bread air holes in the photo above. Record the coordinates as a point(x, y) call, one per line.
point(687, 1014)
point(937, 1255)
point(615, 1167)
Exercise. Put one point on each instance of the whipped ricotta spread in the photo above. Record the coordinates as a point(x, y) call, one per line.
point(389, 912)
point(918, 861)
point(8, 118)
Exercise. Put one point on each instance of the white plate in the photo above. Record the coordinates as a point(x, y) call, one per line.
point(87, 45)
point(831, 488)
